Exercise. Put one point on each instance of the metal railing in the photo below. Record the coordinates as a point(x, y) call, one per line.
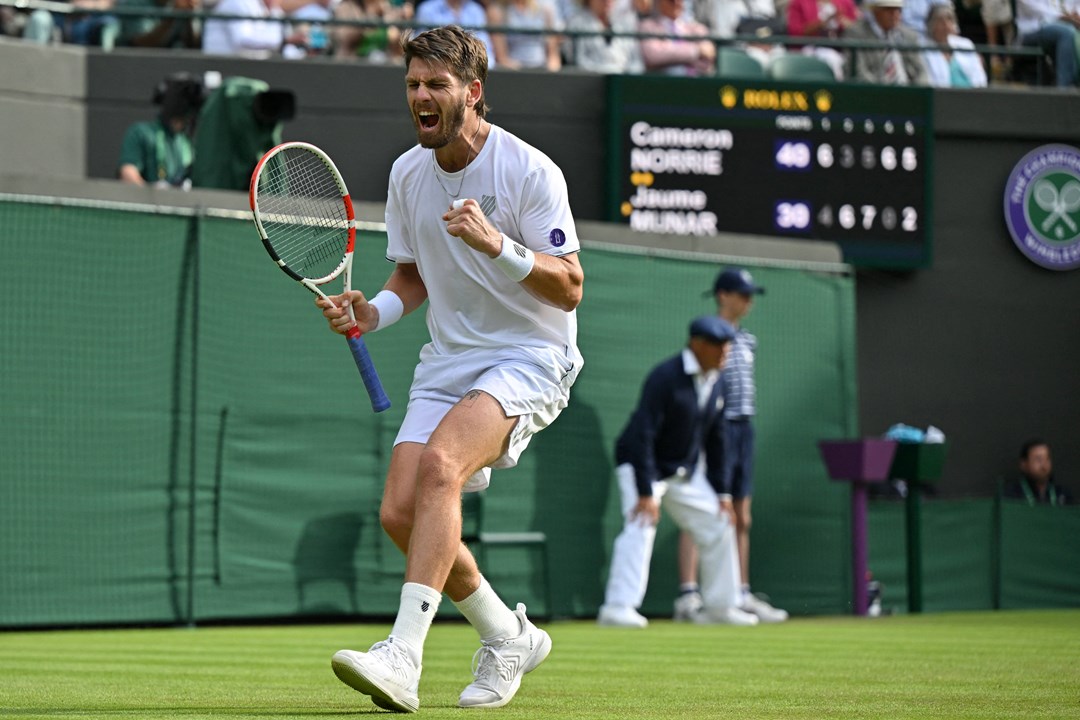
point(736, 41)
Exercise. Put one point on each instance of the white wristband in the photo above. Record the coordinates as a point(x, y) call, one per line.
point(390, 308)
point(515, 260)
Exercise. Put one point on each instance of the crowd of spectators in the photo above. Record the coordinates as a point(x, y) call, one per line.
point(916, 42)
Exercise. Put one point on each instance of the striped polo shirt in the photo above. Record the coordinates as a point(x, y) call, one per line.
point(738, 377)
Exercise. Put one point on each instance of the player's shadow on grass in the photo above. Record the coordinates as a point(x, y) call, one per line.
point(325, 565)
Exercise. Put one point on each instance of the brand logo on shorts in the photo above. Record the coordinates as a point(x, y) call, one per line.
point(557, 237)
point(1042, 206)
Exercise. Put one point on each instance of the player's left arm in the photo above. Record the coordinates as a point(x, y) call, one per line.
point(556, 280)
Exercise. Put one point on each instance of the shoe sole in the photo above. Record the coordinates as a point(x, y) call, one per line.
point(381, 696)
point(539, 654)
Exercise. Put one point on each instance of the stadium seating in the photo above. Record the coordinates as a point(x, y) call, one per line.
point(794, 66)
point(735, 63)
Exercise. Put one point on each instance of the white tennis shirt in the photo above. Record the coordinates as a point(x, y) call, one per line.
point(471, 303)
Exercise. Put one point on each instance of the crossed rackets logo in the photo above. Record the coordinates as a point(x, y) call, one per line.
point(1055, 200)
point(1042, 206)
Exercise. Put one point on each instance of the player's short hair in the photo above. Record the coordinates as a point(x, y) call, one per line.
point(463, 54)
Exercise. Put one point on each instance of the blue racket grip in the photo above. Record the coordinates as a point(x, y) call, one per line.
point(379, 401)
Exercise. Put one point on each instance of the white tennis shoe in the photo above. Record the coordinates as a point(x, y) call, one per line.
point(385, 672)
point(687, 606)
point(765, 612)
point(499, 665)
point(621, 616)
point(725, 616)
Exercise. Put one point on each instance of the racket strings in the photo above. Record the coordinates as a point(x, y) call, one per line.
point(302, 212)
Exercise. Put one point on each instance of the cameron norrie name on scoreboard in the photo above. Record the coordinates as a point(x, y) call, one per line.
point(844, 163)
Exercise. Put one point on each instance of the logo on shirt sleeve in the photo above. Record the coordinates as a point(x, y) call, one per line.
point(557, 237)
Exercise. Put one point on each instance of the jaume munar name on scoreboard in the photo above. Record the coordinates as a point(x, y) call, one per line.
point(673, 222)
point(680, 212)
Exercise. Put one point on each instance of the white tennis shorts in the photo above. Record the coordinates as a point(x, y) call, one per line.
point(531, 384)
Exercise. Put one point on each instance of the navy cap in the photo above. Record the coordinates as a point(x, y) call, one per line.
point(712, 328)
point(736, 279)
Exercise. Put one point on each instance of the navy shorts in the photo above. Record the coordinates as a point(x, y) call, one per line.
point(739, 458)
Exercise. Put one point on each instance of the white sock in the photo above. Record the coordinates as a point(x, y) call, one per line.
point(486, 612)
point(745, 593)
point(419, 603)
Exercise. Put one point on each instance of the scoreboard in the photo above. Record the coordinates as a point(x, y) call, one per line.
point(840, 162)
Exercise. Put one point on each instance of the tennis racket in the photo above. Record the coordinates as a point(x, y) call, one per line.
point(305, 218)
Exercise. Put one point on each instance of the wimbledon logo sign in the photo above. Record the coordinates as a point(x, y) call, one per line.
point(1042, 206)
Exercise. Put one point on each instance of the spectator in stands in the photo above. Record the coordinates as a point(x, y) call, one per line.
point(160, 32)
point(160, 152)
point(97, 29)
point(948, 65)
point(516, 51)
point(252, 38)
point(1052, 25)
point(1036, 482)
point(997, 17)
point(760, 47)
point(915, 13)
point(374, 44)
point(308, 31)
point(723, 17)
point(469, 14)
point(684, 49)
point(36, 26)
point(601, 52)
point(886, 65)
point(822, 18)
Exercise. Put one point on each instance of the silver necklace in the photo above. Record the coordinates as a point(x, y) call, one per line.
point(464, 170)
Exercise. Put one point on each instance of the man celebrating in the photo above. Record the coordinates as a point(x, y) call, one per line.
point(501, 276)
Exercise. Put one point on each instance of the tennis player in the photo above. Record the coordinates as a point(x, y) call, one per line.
point(502, 279)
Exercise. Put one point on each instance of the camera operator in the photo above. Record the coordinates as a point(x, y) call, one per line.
point(160, 151)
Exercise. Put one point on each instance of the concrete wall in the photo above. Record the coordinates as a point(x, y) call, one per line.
point(980, 344)
point(42, 110)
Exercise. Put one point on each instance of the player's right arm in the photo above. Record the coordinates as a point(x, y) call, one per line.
point(404, 281)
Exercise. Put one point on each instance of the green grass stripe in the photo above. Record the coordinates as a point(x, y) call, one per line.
point(1017, 664)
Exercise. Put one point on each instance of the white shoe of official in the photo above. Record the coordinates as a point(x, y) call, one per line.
point(725, 616)
point(687, 606)
point(385, 672)
point(621, 616)
point(499, 665)
point(765, 612)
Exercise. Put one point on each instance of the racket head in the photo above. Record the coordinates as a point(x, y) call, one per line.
point(303, 212)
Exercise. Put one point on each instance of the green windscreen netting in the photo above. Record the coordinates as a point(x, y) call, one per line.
point(152, 358)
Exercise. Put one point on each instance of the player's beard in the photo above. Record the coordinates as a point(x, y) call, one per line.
point(450, 124)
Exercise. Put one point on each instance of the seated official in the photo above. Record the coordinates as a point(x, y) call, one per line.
point(1036, 484)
